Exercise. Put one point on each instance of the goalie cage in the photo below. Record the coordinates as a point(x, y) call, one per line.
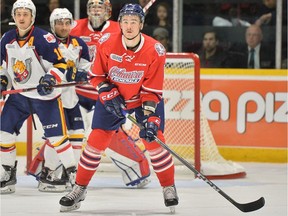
point(187, 131)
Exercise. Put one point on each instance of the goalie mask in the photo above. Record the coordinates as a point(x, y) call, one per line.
point(98, 12)
point(25, 4)
point(59, 14)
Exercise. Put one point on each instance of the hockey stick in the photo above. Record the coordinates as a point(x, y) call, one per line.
point(16, 91)
point(246, 207)
point(149, 4)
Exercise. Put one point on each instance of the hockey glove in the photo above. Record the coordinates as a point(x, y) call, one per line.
point(73, 74)
point(4, 84)
point(151, 124)
point(46, 84)
point(112, 100)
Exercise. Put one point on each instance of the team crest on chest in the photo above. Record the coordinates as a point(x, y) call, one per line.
point(120, 75)
point(21, 70)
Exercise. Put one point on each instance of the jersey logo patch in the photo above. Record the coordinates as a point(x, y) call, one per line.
point(50, 38)
point(21, 70)
point(116, 57)
point(120, 75)
point(119, 58)
point(160, 49)
point(104, 38)
point(86, 39)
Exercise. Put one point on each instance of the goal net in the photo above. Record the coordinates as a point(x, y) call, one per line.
point(187, 130)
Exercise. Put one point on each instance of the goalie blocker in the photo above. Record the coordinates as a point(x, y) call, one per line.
point(134, 167)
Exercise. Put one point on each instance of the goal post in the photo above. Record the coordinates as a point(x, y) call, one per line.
point(187, 130)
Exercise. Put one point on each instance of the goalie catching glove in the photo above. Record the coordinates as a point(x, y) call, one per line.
point(46, 84)
point(73, 74)
point(111, 99)
point(151, 124)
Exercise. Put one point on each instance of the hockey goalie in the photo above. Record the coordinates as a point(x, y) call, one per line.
point(128, 157)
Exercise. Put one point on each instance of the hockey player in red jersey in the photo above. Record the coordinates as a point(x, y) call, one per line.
point(131, 162)
point(30, 57)
point(128, 73)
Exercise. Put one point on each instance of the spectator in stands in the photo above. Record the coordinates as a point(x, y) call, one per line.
point(255, 54)
point(267, 14)
point(162, 15)
point(50, 6)
point(162, 35)
point(211, 55)
point(233, 18)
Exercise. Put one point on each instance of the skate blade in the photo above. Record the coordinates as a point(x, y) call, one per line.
point(8, 189)
point(70, 208)
point(172, 209)
point(43, 187)
point(143, 183)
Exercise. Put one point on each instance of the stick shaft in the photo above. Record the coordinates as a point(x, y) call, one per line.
point(247, 207)
point(16, 91)
point(149, 4)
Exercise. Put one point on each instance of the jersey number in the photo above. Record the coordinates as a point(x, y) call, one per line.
point(57, 51)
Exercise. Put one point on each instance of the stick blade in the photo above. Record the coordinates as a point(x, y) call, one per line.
point(253, 206)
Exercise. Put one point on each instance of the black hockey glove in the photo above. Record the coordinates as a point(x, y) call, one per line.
point(46, 84)
point(151, 124)
point(73, 74)
point(112, 100)
point(4, 84)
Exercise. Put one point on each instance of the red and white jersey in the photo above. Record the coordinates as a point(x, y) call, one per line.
point(139, 75)
point(83, 29)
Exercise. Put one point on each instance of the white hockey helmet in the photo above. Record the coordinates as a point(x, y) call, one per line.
point(24, 4)
point(98, 19)
point(58, 14)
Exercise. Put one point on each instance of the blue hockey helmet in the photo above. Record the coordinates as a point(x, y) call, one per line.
point(132, 9)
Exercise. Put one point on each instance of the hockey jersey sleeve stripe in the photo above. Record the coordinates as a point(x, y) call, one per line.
point(152, 90)
point(60, 66)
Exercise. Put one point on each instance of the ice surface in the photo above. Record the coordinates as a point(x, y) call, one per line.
point(107, 195)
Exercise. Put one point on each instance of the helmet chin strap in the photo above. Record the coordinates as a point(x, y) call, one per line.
point(25, 30)
point(62, 39)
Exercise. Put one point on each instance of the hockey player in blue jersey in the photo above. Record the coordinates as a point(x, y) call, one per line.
point(76, 54)
point(31, 57)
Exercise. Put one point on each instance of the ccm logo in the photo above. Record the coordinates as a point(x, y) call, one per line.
point(110, 96)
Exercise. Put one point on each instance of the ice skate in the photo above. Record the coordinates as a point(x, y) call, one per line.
point(8, 179)
point(170, 197)
point(69, 176)
point(49, 182)
point(143, 183)
point(72, 200)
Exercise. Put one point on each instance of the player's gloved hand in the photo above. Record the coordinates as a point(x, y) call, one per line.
point(151, 124)
point(4, 84)
point(46, 84)
point(73, 74)
point(112, 100)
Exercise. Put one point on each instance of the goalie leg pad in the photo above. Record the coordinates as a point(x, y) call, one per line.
point(129, 158)
point(37, 163)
